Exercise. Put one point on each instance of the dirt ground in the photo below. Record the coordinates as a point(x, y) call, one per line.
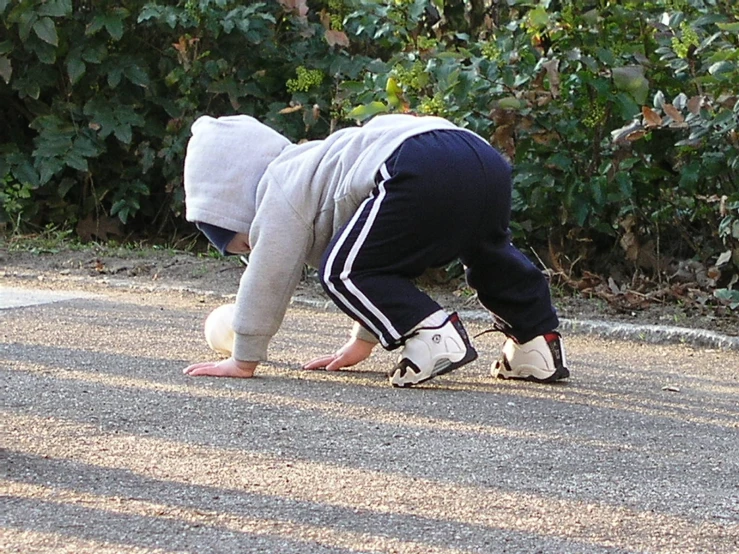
point(220, 276)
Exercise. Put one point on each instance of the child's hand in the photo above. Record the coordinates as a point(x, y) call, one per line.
point(224, 368)
point(350, 354)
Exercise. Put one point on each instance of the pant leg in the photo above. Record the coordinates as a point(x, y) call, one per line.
point(512, 288)
point(507, 282)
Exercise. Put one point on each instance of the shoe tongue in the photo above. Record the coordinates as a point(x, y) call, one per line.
point(549, 337)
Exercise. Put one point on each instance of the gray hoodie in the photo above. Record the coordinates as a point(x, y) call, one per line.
point(290, 198)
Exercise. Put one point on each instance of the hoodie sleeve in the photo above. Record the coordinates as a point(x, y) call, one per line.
point(279, 239)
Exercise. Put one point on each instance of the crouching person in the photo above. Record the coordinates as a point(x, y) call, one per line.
point(372, 207)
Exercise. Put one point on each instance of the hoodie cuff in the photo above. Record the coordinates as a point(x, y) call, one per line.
point(250, 348)
point(359, 332)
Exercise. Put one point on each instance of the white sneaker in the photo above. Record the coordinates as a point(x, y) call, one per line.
point(542, 359)
point(432, 351)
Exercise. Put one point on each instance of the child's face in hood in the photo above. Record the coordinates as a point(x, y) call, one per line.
point(226, 158)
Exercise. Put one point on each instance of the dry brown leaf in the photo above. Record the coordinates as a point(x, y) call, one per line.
point(674, 113)
point(503, 139)
point(694, 104)
point(545, 138)
point(635, 135)
point(299, 7)
point(337, 38)
point(291, 109)
point(552, 68)
point(90, 227)
point(651, 118)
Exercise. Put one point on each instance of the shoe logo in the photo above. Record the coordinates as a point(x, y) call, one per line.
point(554, 348)
point(436, 338)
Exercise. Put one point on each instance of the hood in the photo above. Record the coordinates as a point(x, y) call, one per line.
point(226, 158)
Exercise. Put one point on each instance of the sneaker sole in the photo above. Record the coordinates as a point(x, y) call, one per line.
point(469, 357)
point(500, 371)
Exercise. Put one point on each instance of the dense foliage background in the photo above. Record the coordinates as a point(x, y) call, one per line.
point(621, 117)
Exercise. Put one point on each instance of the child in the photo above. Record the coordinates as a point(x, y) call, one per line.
point(372, 207)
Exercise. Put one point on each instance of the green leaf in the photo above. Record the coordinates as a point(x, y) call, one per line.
point(76, 161)
point(27, 87)
point(136, 75)
point(97, 23)
point(124, 133)
point(95, 54)
point(55, 8)
point(560, 160)
point(114, 26)
point(581, 210)
point(85, 146)
point(26, 21)
point(6, 69)
point(113, 119)
point(46, 53)
point(723, 116)
point(366, 111)
point(47, 168)
point(597, 189)
point(65, 186)
point(112, 23)
point(4, 5)
point(732, 296)
point(625, 187)
point(538, 18)
point(25, 173)
point(730, 27)
point(114, 77)
point(75, 69)
point(606, 56)
point(46, 31)
point(721, 67)
point(510, 103)
point(631, 79)
point(167, 15)
point(119, 207)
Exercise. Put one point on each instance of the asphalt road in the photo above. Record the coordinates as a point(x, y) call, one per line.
point(106, 447)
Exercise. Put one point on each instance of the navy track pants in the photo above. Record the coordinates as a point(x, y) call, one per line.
point(441, 196)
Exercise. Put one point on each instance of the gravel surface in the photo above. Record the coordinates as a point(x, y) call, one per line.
point(106, 447)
